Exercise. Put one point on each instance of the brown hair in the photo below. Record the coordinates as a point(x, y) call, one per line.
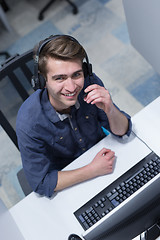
point(62, 47)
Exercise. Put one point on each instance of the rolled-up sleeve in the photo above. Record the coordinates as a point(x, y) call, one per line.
point(129, 125)
point(39, 170)
point(103, 117)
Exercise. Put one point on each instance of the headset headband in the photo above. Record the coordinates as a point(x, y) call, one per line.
point(37, 80)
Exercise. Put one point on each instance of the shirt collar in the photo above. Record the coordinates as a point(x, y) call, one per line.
point(64, 116)
point(49, 110)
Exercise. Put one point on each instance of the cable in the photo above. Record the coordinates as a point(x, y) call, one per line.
point(141, 140)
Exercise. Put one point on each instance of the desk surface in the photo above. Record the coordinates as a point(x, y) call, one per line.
point(42, 218)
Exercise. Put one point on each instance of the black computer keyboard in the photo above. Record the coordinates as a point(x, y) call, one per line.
point(118, 191)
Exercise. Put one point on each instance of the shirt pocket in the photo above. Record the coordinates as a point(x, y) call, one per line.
point(64, 144)
point(62, 138)
point(90, 126)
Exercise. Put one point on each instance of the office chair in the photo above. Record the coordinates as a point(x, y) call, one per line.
point(40, 17)
point(3, 9)
point(23, 182)
point(17, 69)
point(8, 128)
point(6, 54)
point(4, 5)
point(17, 62)
point(12, 134)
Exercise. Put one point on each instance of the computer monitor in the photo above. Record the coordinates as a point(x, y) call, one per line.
point(143, 19)
point(132, 217)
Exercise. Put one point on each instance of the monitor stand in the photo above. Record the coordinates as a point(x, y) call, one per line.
point(152, 233)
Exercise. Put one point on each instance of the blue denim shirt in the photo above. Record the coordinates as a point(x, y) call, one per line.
point(49, 141)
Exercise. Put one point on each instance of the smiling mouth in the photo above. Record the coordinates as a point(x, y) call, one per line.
point(70, 94)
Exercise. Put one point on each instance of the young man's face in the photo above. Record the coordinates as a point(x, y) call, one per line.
point(65, 80)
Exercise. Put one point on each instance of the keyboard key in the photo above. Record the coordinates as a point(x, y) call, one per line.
point(120, 190)
point(99, 202)
point(113, 196)
point(114, 190)
point(102, 205)
point(86, 226)
point(122, 184)
point(115, 202)
point(81, 218)
point(90, 224)
point(121, 195)
point(103, 214)
point(110, 209)
point(103, 199)
point(89, 210)
point(96, 205)
point(108, 194)
point(88, 220)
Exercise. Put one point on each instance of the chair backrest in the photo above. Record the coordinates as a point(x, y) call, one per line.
point(10, 69)
point(15, 85)
point(8, 128)
point(23, 182)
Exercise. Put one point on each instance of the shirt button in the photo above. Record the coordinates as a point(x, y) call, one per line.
point(80, 139)
point(75, 129)
point(83, 149)
point(61, 138)
point(87, 117)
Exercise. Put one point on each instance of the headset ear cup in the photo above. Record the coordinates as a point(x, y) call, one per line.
point(34, 83)
point(85, 69)
point(38, 82)
point(42, 81)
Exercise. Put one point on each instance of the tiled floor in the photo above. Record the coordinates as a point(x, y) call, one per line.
point(101, 28)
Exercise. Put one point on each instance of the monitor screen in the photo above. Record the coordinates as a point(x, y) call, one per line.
point(132, 217)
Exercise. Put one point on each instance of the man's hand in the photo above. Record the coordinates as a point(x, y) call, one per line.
point(99, 96)
point(103, 163)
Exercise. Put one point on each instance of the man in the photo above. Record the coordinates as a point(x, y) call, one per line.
point(56, 124)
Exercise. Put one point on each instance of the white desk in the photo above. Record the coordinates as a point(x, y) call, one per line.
point(41, 218)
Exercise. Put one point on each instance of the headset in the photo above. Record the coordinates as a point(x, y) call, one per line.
point(37, 80)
